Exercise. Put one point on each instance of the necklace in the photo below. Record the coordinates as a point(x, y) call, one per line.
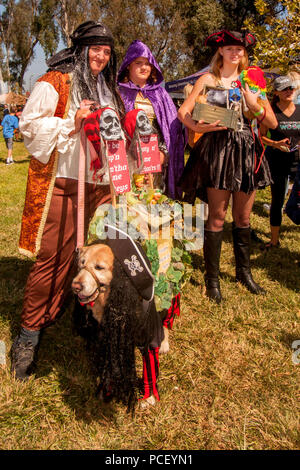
point(229, 83)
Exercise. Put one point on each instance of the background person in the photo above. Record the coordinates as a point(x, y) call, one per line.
point(280, 142)
point(9, 124)
point(18, 136)
point(222, 161)
point(51, 123)
point(6, 110)
point(294, 74)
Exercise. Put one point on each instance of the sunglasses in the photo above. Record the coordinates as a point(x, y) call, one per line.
point(289, 88)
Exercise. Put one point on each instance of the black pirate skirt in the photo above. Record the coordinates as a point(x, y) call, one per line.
point(227, 160)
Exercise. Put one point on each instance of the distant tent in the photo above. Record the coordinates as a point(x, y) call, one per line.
point(177, 86)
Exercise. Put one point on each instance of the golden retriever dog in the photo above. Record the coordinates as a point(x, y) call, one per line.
point(92, 283)
point(118, 325)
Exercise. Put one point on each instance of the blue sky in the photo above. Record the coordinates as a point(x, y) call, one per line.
point(35, 69)
point(38, 66)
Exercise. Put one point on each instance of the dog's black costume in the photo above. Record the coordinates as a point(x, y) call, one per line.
point(130, 319)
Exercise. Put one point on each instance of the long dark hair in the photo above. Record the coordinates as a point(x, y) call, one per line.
point(112, 348)
point(275, 100)
point(85, 84)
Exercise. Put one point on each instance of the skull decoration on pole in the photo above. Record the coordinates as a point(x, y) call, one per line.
point(143, 123)
point(110, 127)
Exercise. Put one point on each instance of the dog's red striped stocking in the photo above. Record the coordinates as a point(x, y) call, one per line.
point(150, 373)
point(173, 310)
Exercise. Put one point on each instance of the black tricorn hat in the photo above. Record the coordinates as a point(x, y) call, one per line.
point(92, 33)
point(230, 38)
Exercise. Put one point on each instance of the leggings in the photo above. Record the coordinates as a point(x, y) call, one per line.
point(278, 194)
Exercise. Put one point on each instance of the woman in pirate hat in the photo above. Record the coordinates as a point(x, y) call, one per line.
point(51, 121)
point(223, 161)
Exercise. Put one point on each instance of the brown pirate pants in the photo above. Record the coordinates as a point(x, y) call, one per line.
point(50, 278)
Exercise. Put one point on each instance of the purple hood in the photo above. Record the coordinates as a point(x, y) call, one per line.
point(165, 111)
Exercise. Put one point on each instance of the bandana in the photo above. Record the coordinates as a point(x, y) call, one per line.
point(86, 34)
point(92, 33)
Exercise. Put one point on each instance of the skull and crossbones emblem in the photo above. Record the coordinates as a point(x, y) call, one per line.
point(110, 127)
point(143, 123)
point(133, 265)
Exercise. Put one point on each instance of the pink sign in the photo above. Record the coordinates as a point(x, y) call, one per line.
point(151, 156)
point(118, 166)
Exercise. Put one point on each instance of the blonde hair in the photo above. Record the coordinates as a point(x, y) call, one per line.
point(295, 77)
point(217, 63)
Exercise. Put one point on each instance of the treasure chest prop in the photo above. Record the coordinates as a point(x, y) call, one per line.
point(209, 113)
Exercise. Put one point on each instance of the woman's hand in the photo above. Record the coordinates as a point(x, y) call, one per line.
point(269, 119)
point(81, 113)
point(201, 127)
point(251, 98)
point(162, 157)
point(283, 145)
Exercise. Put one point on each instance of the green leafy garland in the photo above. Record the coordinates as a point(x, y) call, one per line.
point(170, 283)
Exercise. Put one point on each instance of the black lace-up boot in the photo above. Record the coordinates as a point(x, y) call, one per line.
point(212, 251)
point(241, 246)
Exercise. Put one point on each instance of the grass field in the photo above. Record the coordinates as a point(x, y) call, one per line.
point(229, 381)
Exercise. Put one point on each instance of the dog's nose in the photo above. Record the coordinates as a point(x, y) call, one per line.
point(76, 286)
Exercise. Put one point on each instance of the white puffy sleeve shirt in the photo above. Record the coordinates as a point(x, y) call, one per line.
point(42, 132)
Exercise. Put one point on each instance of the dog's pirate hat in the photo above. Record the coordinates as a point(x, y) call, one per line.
point(133, 260)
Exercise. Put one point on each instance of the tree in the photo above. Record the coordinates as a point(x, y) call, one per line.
point(24, 24)
point(157, 23)
point(278, 35)
point(68, 14)
point(203, 17)
point(6, 21)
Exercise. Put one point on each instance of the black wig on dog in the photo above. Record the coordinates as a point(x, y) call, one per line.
point(111, 344)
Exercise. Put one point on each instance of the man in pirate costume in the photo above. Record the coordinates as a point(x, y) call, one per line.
point(51, 122)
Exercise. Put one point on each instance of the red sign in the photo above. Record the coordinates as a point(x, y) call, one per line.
point(150, 151)
point(118, 166)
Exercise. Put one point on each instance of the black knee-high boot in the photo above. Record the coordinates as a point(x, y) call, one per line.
point(212, 251)
point(241, 246)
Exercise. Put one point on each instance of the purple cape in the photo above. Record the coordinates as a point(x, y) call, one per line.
point(164, 109)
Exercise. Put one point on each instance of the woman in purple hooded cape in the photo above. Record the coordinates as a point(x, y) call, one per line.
point(164, 110)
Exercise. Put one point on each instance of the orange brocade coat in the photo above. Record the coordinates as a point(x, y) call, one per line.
point(41, 177)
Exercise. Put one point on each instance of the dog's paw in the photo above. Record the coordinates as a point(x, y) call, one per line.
point(165, 347)
point(144, 404)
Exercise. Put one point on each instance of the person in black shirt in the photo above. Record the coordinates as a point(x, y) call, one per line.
point(282, 149)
